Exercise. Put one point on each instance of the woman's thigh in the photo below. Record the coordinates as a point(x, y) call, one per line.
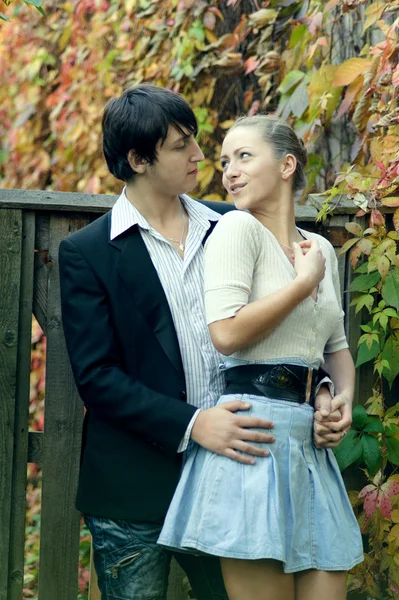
point(313, 585)
point(257, 580)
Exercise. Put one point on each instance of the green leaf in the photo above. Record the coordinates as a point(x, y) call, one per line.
point(390, 353)
point(365, 354)
point(374, 426)
point(364, 282)
point(291, 79)
point(349, 450)
point(393, 450)
point(37, 4)
point(300, 100)
point(4, 18)
point(365, 300)
point(360, 416)
point(354, 228)
point(371, 453)
point(390, 288)
point(391, 431)
point(362, 269)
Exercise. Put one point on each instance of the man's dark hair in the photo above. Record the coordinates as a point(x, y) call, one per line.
point(138, 120)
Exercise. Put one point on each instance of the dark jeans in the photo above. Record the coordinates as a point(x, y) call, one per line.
point(130, 565)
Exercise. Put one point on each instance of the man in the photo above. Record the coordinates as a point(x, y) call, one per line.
point(144, 365)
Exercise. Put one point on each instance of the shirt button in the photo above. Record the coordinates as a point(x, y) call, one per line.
point(183, 396)
point(314, 329)
point(311, 350)
point(317, 307)
point(320, 290)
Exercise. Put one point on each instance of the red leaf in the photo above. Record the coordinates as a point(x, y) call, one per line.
point(251, 64)
point(385, 506)
point(371, 503)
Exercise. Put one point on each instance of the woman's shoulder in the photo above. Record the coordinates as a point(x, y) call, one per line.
point(235, 228)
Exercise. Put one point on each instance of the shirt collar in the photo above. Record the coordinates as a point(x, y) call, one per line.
point(124, 215)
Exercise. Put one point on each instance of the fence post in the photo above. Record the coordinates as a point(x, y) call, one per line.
point(10, 274)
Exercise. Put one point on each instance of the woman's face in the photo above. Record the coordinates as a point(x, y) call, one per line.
point(251, 173)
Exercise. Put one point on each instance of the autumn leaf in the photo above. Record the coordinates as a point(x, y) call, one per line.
point(373, 13)
point(390, 201)
point(395, 220)
point(349, 70)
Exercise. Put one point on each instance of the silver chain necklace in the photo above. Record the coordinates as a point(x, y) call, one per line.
point(183, 230)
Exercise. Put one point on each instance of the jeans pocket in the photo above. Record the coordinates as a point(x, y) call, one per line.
point(127, 567)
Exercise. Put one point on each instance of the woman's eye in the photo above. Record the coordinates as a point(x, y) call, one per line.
point(223, 164)
point(244, 154)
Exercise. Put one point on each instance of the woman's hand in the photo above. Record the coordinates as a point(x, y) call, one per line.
point(309, 263)
point(331, 424)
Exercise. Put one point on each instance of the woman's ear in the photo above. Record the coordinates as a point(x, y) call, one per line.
point(288, 166)
point(137, 163)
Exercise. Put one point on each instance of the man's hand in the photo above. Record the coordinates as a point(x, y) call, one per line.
point(218, 429)
point(332, 417)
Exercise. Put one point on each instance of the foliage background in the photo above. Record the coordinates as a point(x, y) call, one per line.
point(328, 67)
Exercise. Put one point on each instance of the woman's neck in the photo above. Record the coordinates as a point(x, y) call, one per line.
point(279, 218)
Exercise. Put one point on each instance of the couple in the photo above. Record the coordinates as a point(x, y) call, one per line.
point(148, 311)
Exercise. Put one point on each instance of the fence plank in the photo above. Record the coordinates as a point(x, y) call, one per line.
point(18, 509)
point(59, 540)
point(10, 265)
point(41, 277)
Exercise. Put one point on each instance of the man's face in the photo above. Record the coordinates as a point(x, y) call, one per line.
point(175, 170)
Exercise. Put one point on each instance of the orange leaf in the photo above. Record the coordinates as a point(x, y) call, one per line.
point(350, 70)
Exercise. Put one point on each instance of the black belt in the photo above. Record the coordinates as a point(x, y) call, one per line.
point(283, 381)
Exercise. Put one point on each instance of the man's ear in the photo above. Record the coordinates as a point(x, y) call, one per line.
point(137, 163)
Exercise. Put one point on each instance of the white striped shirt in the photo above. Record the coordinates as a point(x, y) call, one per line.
point(183, 282)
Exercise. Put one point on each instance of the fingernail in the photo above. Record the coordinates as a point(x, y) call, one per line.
point(247, 404)
point(252, 461)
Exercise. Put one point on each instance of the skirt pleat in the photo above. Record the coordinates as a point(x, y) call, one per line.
point(290, 506)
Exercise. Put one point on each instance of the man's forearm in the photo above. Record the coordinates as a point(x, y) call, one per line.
point(342, 372)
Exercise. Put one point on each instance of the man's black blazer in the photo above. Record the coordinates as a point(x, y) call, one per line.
point(127, 366)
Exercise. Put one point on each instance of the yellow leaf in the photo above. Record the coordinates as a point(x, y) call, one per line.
point(227, 124)
point(216, 198)
point(395, 515)
point(373, 12)
point(65, 37)
point(395, 220)
point(350, 69)
point(205, 174)
point(393, 535)
point(390, 201)
point(262, 17)
point(210, 36)
point(321, 83)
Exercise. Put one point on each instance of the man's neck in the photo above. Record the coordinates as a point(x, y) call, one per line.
point(156, 208)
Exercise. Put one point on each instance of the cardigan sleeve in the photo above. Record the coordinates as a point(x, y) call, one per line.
point(230, 258)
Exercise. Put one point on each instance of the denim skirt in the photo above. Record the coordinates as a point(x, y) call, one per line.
point(290, 506)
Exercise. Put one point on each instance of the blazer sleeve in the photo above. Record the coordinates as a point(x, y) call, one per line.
point(97, 363)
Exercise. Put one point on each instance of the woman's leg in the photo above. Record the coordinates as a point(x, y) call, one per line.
point(257, 580)
point(313, 585)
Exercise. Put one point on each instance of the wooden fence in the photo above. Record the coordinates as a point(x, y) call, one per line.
point(32, 224)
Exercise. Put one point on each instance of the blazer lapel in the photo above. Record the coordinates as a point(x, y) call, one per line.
point(139, 275)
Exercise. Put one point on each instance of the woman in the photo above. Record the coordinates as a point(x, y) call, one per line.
point(284, 527)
